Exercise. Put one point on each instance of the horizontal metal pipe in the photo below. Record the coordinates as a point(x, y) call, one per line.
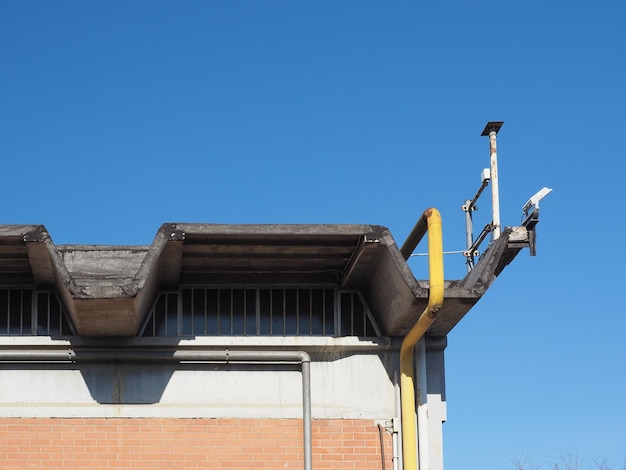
point(74, 356)
point(38, 356)
point(150, 355)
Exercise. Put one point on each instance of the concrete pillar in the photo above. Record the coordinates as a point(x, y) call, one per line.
point(431, 401)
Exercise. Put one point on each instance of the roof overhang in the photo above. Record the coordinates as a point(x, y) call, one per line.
point(109, 290)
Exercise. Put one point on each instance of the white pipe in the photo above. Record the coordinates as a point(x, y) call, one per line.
point(422, 406)
point(397, 428)
point(495, 196)
point(394, 444)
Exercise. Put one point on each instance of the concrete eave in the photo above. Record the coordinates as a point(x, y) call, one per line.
point(461, 296)
point(109, 290)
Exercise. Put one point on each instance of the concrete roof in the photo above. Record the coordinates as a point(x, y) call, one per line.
point(108, 290)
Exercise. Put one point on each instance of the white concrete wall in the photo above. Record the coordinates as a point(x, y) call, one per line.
point(349, 379)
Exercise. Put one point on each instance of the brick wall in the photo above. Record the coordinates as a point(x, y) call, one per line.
point(122, 443)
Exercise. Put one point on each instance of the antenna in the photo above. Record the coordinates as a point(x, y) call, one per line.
point(530, 210)
point(491, 129)
point(487, 175)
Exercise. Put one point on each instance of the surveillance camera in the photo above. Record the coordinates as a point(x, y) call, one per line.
point(534, 200)
point(485, 175)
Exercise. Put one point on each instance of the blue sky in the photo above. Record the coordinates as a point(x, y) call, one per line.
point(116, 117)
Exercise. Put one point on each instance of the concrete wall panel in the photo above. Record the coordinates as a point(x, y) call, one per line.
point(352, 386)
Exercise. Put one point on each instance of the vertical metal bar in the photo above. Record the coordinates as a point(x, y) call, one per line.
point(154, 320)
point(297, 311)
point(34, 313)
point(232, 315)
point(397, 434)
point(179, 313)
point(191, 306)
point(271, 294)
point(166, 307)
point(218, 311)
point(8, 310)
point(245, 311)
point(310, 310)
point(338, 331)
point(257, 310)
point(469, 230)
point(48, 314)
point(352, 314)
point(469, 234)
point(364, 318)
point(324, 311)
point(284, 311)
point(60, 315)
point(206, 316)
point(491, 129)
point(494, 184)
point(8, 316)
point(22, 294)
point(151, 320)
point(306, 414)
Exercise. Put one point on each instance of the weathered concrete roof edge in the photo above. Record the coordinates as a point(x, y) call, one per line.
point(108, 290)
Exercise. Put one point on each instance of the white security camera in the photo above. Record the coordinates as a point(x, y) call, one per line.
point(485, 175)
point(534, 200)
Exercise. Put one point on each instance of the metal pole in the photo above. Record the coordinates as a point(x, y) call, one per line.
point(469, 233)
point(416, 235)
point(306, 412)
point(397, 427)
point(491, 129)
point(494, 185)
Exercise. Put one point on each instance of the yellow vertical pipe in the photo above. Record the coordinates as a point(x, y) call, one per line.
point(435, 300)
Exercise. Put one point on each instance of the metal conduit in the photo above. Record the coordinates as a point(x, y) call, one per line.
point(104, 355)
point(429, 222)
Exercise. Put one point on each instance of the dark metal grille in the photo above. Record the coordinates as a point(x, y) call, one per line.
point(26, 312)
point(254, 311)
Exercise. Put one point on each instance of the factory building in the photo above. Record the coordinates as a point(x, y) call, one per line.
point(230, 346)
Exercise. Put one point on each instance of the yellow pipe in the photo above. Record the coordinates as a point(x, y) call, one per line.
point(432, 219)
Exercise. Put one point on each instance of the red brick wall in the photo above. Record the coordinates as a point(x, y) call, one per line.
point(94, 443)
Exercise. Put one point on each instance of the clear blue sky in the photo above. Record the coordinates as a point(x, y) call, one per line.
point(116, 117)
